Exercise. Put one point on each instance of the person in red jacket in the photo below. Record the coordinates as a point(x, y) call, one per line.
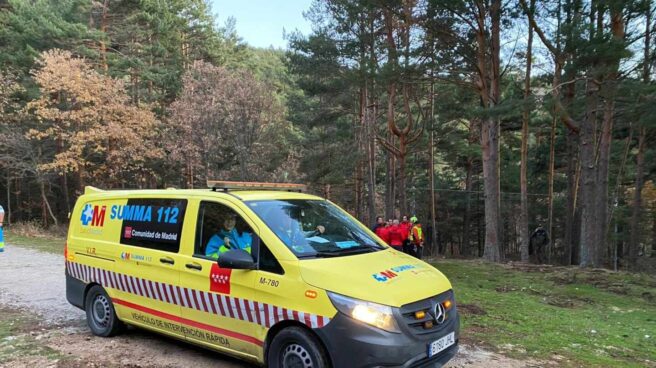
point(384, 234)
point(396, 236)
point(381, 229)
point(405, 227)
point(379, 223)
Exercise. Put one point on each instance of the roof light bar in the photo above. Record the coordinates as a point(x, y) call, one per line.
point(246, 185)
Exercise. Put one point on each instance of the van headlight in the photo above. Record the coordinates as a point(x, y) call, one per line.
point(374, 314)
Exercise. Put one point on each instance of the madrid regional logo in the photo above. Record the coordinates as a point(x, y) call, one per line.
point(93, 215)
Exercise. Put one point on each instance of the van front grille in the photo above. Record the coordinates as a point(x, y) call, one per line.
point(428, 323)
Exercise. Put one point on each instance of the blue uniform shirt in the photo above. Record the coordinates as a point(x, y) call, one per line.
point(216, 242)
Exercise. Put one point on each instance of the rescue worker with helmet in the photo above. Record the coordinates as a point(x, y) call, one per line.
point(416, 237)
point(228, 238)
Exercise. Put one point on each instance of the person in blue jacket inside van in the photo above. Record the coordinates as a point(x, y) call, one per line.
point(228, 238)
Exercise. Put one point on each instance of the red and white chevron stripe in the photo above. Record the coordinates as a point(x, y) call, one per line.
point(227, 306)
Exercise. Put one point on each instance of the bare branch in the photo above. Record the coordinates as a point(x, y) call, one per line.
point(391, 123)
point(406, 105)
point(531, 17)
point(387, 145)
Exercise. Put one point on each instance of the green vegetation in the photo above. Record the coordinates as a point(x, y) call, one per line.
point(589, 317)
point(50, 243)
point(17, 339)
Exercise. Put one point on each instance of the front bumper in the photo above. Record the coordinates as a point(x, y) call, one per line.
point(351, 343)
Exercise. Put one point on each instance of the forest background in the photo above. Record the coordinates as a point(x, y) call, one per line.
point(484, 118)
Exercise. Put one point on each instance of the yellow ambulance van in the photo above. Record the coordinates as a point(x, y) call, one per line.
point(261, 271)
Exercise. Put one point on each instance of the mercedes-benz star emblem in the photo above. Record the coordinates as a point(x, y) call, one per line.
point(440, 315)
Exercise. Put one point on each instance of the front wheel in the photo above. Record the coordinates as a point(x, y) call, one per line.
point(101, 316)
point(294, 347)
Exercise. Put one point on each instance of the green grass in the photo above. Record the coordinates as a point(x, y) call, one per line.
point(17, 339)
point(574, 316)
point(50, 244)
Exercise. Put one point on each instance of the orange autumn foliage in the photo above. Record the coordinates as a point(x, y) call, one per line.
point(98, 132)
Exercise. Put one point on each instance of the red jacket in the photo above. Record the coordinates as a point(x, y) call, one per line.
point(405, 229)
point(396, 235)
point(383, 233)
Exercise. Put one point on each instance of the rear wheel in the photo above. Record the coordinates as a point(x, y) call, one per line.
point(294, 347)
point(101, 316)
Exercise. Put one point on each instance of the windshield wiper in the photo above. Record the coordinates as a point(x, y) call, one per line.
point(346, 251)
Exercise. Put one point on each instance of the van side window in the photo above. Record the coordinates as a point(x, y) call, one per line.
point(220, 229)
point(154, 223)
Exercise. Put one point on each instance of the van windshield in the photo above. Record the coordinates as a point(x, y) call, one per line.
point(314, 228)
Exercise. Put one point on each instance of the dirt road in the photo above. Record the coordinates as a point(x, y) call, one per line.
point(33, 282)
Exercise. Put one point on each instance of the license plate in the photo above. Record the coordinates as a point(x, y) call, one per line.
point(438, 345)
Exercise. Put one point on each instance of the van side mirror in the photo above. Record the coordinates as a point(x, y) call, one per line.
point(237, 259)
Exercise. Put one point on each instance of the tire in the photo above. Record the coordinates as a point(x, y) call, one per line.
point(101, 316)
point(294, 347)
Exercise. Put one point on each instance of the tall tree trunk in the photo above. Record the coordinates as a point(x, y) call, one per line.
point(523, 182)
point(552, 158)
point(636, 210)
point(609, 90)
point(64, 178)
point(466, 226)
point(403, 195)
point(602, 179)
point(66, 195)
point(616, 199)
point(640, 159)
point(390, 185)
point(371, 158)
point(571, 144)
point(431, 168)
point(588, 179)
point(372, 119)
point(569, 237)
point(572, 218)
point(103, 30)
point(491, 190)
point(558, 61)
point(47, 210)
point(588, 193)
point(360, 125)
point(490, 131)
point(552, 169)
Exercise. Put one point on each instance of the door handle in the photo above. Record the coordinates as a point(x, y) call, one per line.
point(168, 260)
point(194, 266)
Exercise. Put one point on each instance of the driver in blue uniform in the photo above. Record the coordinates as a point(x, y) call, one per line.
point(228, 238)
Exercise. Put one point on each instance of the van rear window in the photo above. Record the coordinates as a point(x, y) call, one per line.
point(154, 223)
